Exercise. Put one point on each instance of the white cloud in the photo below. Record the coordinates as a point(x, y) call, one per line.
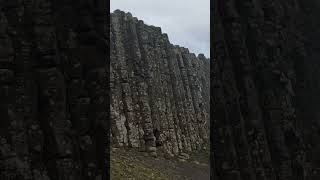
point(187, 22)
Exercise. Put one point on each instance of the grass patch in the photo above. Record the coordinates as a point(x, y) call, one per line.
point(126, 165)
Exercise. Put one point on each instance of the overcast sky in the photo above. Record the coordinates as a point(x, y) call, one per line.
point(187, 22)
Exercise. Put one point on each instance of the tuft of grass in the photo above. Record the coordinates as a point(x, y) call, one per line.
point(126, 167)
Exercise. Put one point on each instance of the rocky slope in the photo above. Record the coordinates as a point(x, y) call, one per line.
point(159, 92)
point(265, 90)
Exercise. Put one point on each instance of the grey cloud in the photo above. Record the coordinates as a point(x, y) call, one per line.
point(187, 22)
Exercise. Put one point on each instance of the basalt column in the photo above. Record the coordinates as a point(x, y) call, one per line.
point(54, 111)
point(160, 92)
point(261, 80)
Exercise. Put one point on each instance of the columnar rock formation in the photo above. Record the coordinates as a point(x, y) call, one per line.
point(160, 92)
point(265, 92)
point(53, 91)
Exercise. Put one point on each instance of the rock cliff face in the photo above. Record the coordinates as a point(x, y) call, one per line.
point(265, 90)
point(53, 91)
point(159, 92)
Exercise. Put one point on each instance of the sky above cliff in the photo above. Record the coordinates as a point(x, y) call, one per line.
point(187, 22)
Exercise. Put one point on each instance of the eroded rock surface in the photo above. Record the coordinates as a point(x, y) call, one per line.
point(160, 92)
point(53, 91)
point(265, 90)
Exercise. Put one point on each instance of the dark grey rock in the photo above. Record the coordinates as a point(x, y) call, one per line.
point(160, 92)
point(264, 100)
point(53, 90)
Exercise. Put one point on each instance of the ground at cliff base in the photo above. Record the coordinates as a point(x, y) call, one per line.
point(130, 164)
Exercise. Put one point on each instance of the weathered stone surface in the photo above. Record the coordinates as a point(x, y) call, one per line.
point(160, 92)
point(53, 90)
point(263, 90)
